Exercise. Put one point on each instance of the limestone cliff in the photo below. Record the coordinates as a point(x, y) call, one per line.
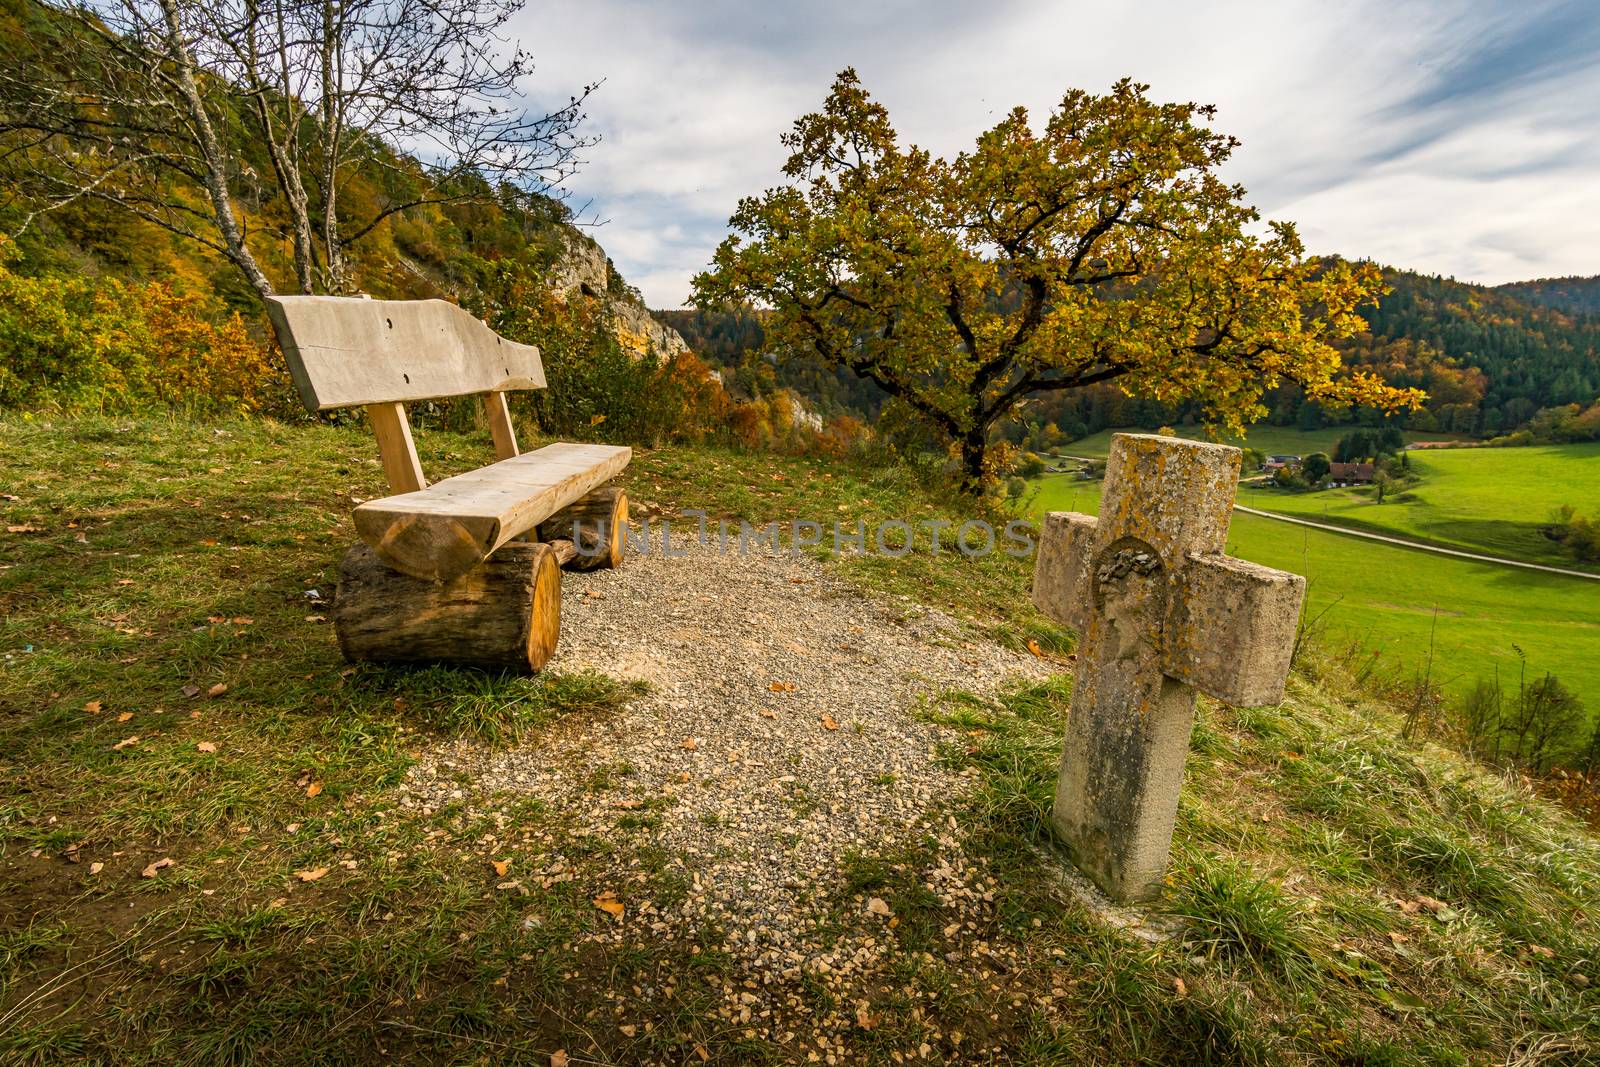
point(582, 272)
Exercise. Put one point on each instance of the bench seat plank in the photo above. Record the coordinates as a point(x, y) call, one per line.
point(450, 527)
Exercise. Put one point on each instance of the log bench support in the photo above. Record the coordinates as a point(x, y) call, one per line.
point(468, 570)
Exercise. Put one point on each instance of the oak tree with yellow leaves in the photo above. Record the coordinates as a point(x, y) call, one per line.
point(1103, 248)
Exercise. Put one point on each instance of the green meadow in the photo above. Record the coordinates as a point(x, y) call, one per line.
point(1394, 601)
point(1279, 439)
point(1493, 500)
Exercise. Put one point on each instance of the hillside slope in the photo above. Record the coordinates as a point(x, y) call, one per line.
point(218, 840)
point(446, 250)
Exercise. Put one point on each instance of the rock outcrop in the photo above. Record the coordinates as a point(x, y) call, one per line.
point(582, 273)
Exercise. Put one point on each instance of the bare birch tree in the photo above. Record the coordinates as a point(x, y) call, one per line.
point(424, 93)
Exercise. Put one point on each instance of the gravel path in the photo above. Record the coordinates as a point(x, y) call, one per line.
point(777, 735)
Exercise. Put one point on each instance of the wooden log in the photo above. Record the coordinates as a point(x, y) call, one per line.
point(504, 614)
point(450, 527)
point(597, 524)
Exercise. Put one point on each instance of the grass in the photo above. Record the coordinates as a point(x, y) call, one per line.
point(1283, 440)
point(1490, 500)
point(1394, 603)
point(169, 589)
point(1338, 897)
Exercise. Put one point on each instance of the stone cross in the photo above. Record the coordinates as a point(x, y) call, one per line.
point(1160, 612)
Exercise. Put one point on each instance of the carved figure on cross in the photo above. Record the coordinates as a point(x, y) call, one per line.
point(1160, 612)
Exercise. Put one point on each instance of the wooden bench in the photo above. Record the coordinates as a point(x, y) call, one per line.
point(466, 570)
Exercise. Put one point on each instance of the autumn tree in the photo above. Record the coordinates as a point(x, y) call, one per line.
point(1103, 247)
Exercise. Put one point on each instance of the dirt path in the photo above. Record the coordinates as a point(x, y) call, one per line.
point(777, 738)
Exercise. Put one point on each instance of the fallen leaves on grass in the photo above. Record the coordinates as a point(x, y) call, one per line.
point(160, 864)
point(206, 746)
point(125, 742)
point(125, 716)
point(1033, 646)
point(608, 903)
point(313, 789)
point(501, 866)
point(190, 691)
point(311, 874)
point(93, 707)
point(217, 690)
point(879, 906)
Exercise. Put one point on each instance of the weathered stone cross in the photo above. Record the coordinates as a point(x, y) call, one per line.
point(1160, 612)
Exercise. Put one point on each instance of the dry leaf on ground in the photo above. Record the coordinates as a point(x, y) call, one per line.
point(501, 866)
point(829, 722)
point(1033, 646)
point(125, 716)
point(217, 690)
point(92, 707)
point(610, 905)
point(313, 789)
point(312, 874)
point(160, 864)
point(126, 741)
point(206, 746)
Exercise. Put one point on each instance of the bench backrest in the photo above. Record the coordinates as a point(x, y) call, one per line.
point(347, 351)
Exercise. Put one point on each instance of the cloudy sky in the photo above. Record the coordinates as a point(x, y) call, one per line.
point(1461, 138)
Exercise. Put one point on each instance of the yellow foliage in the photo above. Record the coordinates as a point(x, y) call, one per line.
point(1099, 246)
point(84, 343)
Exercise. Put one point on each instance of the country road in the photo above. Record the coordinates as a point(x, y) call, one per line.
point(1418, 545)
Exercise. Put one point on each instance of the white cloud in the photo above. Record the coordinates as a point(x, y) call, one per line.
point(1339, 106)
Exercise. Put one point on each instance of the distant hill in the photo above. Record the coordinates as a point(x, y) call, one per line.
point(1567, 294)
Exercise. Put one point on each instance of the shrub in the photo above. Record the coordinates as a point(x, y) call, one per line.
point(81, 343)
point(596, 390)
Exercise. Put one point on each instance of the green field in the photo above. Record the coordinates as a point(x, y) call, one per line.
point(1282, 439)
point(1492, 500)
point(1389, 599)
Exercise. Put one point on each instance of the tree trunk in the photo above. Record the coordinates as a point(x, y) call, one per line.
point(504, 614)
point(974, 449)
point(597, 523)
point(216, 172)
point(332, 133)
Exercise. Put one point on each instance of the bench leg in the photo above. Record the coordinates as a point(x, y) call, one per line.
point(503, 614)
point(597, 524)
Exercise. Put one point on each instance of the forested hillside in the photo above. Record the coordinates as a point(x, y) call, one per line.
point(1567, 294)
